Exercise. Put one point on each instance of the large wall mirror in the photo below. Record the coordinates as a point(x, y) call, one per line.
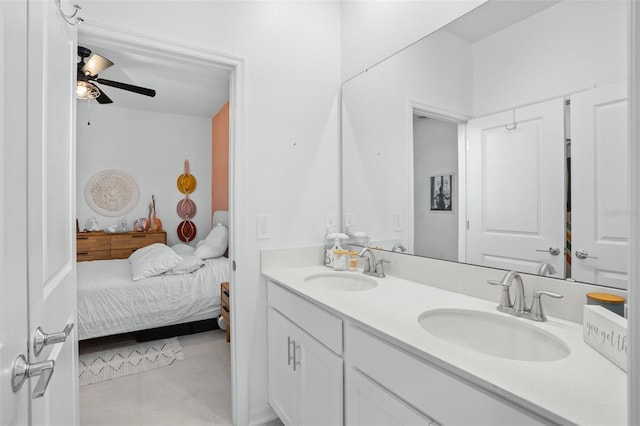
point(499, 140)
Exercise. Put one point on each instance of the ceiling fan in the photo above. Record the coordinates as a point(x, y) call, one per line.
point(87, 77)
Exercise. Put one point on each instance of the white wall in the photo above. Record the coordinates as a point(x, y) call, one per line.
point(435, 152)
point(569, 47)
point(151, 147)
point(373, 30)
point(377, 127)
point(291, 115)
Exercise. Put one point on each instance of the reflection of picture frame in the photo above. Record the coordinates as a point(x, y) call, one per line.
point(442, 193)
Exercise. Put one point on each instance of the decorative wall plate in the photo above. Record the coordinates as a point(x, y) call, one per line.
point(187, 231)
point(186, 183)
point(186, 208)
point(111, 193)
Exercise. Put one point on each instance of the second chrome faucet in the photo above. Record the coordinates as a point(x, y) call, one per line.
point(519, 306)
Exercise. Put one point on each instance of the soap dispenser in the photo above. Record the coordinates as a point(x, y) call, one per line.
point(329, 257)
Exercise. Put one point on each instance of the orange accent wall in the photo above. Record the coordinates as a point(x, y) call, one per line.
point(220, 160)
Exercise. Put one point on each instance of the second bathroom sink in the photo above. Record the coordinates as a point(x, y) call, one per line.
point(493, 334)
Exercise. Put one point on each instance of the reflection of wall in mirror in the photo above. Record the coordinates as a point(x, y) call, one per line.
point(568, 47)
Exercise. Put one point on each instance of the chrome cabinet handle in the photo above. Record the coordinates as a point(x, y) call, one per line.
point(289, 356)
point(583, 254)
point(553, 251)
point(22, 370)
point(42, 339)
point(296, 362)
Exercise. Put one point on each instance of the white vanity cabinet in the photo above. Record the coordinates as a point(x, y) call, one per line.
point(404, 389)
point(369, 404)
point(305, 366)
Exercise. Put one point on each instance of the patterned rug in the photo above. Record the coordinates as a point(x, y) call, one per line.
point(106, 365)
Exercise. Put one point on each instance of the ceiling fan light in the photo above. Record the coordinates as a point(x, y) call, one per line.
point(85, 90)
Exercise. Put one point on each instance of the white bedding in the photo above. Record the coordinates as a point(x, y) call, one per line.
point(110, 302)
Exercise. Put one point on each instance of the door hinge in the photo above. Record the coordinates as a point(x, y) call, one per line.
point(233, 265)
point(467, 225)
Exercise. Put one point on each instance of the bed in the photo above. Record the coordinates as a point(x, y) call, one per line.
point(111, 302)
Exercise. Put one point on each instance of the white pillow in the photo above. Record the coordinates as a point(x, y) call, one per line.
point(215, 244)
point(187, 265)
point(152, 260)
point(199, 243)
point(183, 249)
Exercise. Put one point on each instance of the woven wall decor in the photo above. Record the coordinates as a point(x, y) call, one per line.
point(111, 193)
point(186, 207)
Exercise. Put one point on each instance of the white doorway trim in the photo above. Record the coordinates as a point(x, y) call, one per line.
point(117, 38)
point(634, 240)
point(420, 108)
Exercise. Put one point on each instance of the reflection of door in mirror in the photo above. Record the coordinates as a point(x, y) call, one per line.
point(600, 218)
point(515, 202)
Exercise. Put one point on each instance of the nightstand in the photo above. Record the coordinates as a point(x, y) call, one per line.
point(224, 311)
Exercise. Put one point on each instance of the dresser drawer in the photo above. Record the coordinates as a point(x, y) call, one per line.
point(136, 240)
point(224, 294)
point(90, 242)
point(83, 256)
point(122, 253)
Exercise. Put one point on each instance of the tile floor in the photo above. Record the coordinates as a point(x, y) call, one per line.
point(192, 392)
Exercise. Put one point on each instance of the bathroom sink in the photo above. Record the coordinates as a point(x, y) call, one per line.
point(346, 281)
point(493, 334)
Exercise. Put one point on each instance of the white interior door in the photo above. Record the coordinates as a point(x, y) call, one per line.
point(51, 207)
point(14, 331)
point(600, 199)
point(515, 188)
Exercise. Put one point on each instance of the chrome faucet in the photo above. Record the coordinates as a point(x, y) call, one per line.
point(546, 269)
point(399, 247)
point(519, 305)
point(372, 267)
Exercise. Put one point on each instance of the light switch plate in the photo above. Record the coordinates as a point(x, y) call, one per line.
point(263, 227)
point(349, 220)
point(330, 223)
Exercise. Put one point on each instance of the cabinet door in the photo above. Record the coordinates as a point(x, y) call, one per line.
point(320, 380)
point(282, 379)
point(368, 403)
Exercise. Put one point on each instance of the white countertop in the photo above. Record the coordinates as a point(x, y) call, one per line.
point(584, 388)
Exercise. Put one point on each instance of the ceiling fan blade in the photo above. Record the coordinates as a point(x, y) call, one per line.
point(125, 86)
point(96, 64)
point(103, 98)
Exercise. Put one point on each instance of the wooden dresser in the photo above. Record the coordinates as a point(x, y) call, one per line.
point(120, 245)
point(225, 306)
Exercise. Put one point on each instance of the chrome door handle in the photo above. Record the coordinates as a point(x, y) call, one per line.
point(553, 251)
point(42, 339)
point(22, 371)
point(583, 254)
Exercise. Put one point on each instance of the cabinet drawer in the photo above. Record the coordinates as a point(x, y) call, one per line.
point(83, 256)
point(89, 242)
point(440, 395)
point(322, 325)
point(136, 240)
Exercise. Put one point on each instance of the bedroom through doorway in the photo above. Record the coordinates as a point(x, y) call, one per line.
point(151, 347)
